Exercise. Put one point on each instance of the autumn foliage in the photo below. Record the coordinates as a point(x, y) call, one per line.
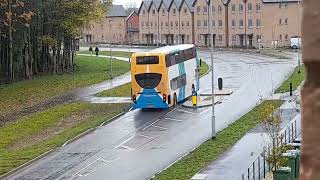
point(40, 36)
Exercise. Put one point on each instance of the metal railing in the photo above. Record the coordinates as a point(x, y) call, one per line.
point(260, 167)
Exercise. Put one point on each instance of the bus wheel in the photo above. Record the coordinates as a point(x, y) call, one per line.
point(175, 102)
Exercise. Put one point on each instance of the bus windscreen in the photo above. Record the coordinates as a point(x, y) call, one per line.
point(143, 60)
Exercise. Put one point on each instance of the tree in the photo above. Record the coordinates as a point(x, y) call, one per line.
point(272, 124)
point(38, 36)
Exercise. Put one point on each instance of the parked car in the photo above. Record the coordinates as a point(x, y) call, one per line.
point(295, 43)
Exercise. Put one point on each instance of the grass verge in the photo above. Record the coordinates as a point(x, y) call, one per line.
point(18, 148)
point(89, 70)
point(107, 53)
point(204, 68)
point(120, 91)
point(124, 90)
point(210, 150)
point(296, 79)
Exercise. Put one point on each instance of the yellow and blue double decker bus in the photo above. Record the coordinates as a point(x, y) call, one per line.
point(163, 77)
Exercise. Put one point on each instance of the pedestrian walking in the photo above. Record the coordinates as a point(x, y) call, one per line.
point(91, 50)
point(97, 51)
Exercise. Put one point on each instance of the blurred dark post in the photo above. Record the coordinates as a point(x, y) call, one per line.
point(291, 93)
point(220, 84)
point(310, 162)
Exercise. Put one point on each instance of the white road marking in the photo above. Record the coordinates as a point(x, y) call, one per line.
point(159, 127)
point(128, 148)
point(151, 124)
point(205, 111)
point(96, 169)
point(86, 166)
point(123, 142)
point(142, 135)
point(172, 119)
point(188, 112)
point(172, 110)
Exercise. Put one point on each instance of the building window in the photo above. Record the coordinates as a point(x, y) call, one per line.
point(198, 23)
point(220, 38)
point(280, 21)
point(198, 9)
point(219, 9)
point(147, 24)
point(258, 7)
point(185, 10)
point(240, 8)
point(188, 38)
point(213, 23)
point(174, 11)
point(205, 23)
point(155, 24)
point(144, 12)
point(142, 25)
point(258, 23)
point(286, 21)
point(213, 10)
point(177, 24)
point(163, 12)
point(220, 23)
point(205, 9)
point(171, 24)
point(233, 8)
point(130, 24)
point(234, 38)
point(286, 5)
point(249, 7)
point(241, 23)
point(154, 12)
point(151, 24)
point(280, 5)
point(182, 24)
point(233, 24)
point(286, 37)
point(188, 25)
point(250, 24)
point(280, 37)
point(167, 24)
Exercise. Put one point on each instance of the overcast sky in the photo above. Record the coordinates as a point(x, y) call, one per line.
point(126, 2)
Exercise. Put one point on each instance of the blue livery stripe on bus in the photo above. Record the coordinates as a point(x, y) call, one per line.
point(149, 98)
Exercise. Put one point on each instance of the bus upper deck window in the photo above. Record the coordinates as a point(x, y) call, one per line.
point(147, 60)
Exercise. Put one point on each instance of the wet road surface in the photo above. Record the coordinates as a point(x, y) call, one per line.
point(142, 143)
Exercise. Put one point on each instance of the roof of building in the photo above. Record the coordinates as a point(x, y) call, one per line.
point(266, 1)
point(279, 1)
point(191, 3)
point(130, 10)
point(117, 11)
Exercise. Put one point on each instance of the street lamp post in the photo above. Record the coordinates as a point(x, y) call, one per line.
point(299, 37)
point(110, 48)
point(213, 117)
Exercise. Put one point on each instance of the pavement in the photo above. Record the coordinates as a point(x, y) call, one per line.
point(144, 142)
point(234, 162)
point(104, 56)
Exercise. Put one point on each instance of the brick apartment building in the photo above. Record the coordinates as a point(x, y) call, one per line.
point(117, 27)
point(132, 28)
point(237, 23)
